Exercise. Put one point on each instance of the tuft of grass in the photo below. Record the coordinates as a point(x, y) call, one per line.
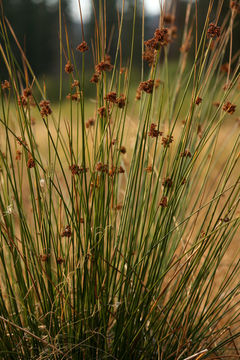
point(117, 231)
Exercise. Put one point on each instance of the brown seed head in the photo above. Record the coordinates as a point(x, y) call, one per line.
point(121, 101)
point(198, 100)
point(44, 257)
point(213, 31)
point(75, 84)
point(27, 92)
point(30, 162)
point(18, 155)
point(95, 78)
point(22, 101)
point(149, 169)
point(111, 97)
point(138, 94)
point(186, 153)
point(146, 86)
point(229, 108)
point(45, 108)
point(167, 182)
point(83, 47)
point(102, 111)
point(166, 141)
point(123, 150)
point(149, 55)
point(74, 97)
point(69, 67)
point(153, 132)
point(103, 66)
point(5, 85)
point(66, 231)
point(163, 202)
point(162, 36)
point(60, 260)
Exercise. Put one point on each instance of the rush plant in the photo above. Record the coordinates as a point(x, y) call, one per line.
point(119, 233)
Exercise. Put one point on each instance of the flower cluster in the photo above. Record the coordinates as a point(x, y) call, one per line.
point(213, 31)
point(164, 202)
point(5, 85)
point(69, 67)
point(67, 232)
point(167, 182)
point(186, 153)
point(146, 86)
point(90, 123)
point(83, 47)
point(45, 108)
point(153, 132)
point(229, 108)
point(76, 170)
point(198, 100)
point(166, 141)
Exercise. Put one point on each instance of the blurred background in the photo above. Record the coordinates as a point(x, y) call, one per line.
point(36, 24)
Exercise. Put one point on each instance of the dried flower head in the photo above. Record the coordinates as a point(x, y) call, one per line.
point(30, 162)
point(103, 66)
point(199, 131)
point(138, 94)
point(213, 31)
point(186, 153)
point(111, 97)
point(102, 111)
point(74, 97)
point(74, 169)
point(60, 260)
point(198, 100)
point(163, 202)
point(162, 36)
point(45, 108)
point(75, 84)
point(167, 182)
point(22, 101)
point(121, 101)
point(5, 85)
point(118, 207)
point(95, 78)
point(90, 122)
point(123, 150)
point(83, 47)
point(149, 169)
point(44, 257)
point(69, 67)
point(27, 92)
point(166, 141)
point(66, 231)
point(147, 86)
point(149, 55)
point(229, 108)
point(153, 132)
point(18, 155)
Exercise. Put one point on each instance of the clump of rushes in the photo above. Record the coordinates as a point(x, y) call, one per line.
point(108, 253)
